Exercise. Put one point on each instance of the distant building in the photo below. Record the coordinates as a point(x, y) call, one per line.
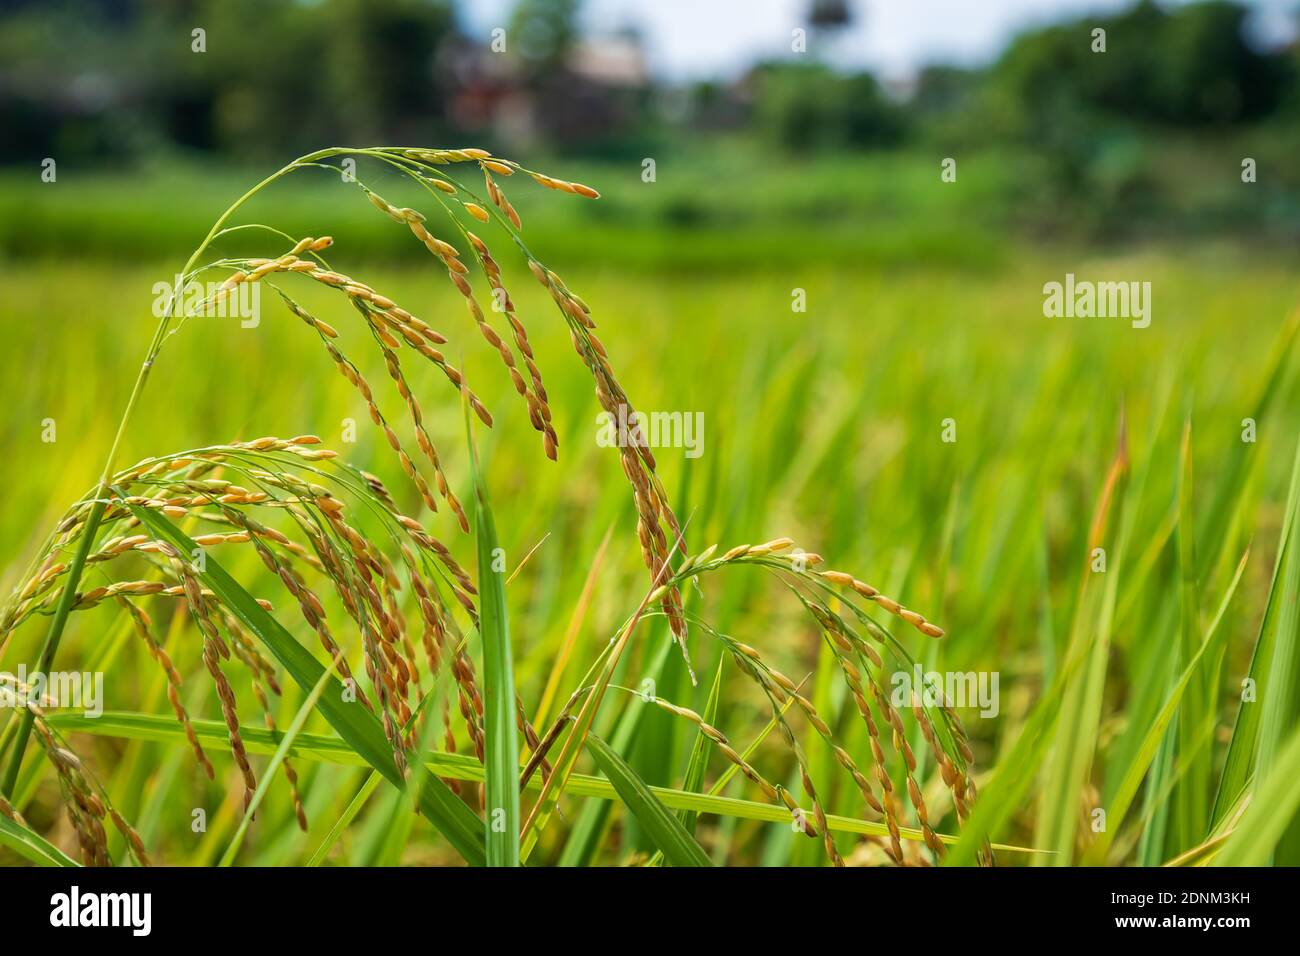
point(601, 89)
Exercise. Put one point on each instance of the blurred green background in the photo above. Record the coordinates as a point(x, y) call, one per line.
point(791, 158)
point(924, 302)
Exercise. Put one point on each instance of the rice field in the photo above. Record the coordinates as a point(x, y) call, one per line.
point(1094, 515)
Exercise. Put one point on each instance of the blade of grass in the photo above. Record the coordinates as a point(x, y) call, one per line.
point(1204, 854)
point(55, 633)
point(554, 785)
point(1076, 732)
point(1015, 771)
point(358, 727)
point(662, 739)
point(281, 752)
point(454, 766)
point(667, 832)
point(1281, 699)
point(526, 558)
point(345, 819)
point(1272, 807)
point(1240, 762)
point(501, 745)
point(31, 846)
point(385, 832)
point(699, 760)
point(1118, 805)
point(571, 633)
point(732, 768)
point(100, 503)
point(1172, 809)
point(817, 753)
point(1239, 454)
point(584, 839)
point(1189, 800)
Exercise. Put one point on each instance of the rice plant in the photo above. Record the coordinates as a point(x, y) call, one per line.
point(409, 666)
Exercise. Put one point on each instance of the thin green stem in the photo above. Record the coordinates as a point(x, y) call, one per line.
point(55, 632)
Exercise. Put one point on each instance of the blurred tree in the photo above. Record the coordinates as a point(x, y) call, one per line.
point(809, 106)
point(1098, 119)
point(1188, 66)
point(941, 89)
point(382, 65)
point(545, 32)
point(111, 79)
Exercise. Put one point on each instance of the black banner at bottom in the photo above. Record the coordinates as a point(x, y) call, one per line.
point(337, 906)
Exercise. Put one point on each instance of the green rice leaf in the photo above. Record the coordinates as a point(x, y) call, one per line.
point(31, 846)
point(1118, 804)
point(699, 760)
point(281, 752)
point(678, 846)
point(583, 840)
point(1280, 698)
point(1255, 840)
point(345, 819)
point(501, 744)
point(454, 766)
point(1070, 761)
point(1240, 762)
point(357, 726)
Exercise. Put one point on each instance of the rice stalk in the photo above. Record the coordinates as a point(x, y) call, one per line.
point(323, 530)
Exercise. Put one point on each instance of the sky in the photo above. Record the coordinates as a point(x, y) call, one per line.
point(698, 39)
